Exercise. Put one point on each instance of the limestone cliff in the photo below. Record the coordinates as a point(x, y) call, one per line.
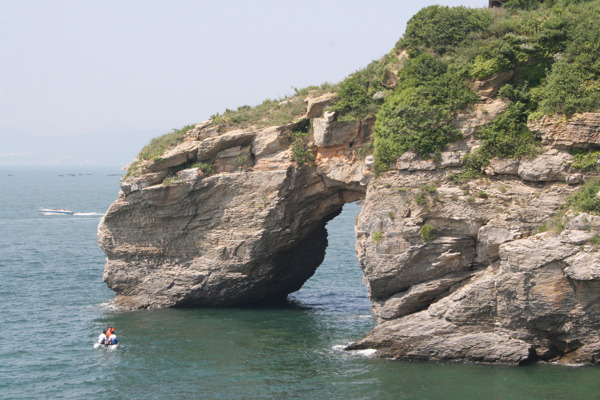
point(250, 229)
point(477, 284)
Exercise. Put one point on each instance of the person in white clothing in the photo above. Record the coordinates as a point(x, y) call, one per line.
point(102, 337)
point(112, 339)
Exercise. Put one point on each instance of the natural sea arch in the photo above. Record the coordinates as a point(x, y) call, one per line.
point(227, 240)
point(337, 283)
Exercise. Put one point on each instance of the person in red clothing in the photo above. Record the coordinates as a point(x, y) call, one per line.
point(109, 332)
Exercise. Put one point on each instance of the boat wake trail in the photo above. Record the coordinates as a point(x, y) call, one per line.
point(88, 214)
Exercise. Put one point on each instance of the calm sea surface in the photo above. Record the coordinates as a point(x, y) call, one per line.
point(53, 304)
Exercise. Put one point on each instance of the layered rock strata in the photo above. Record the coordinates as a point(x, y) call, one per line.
point(251, 229)
point(455, 271)
point(480, 283)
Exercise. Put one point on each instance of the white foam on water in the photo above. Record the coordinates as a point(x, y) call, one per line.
point(88, 214)
point(567, 364)
point(363, 353)
point(110, 306)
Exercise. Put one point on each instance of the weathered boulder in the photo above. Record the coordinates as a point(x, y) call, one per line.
point(488, 88)
point(269, 141)
point(553, 165)
point(329, 132)
point(208, 149)
point(190, 174)
point(227, 239)
point(411, 161)
point(489, 239)
point(418, 297)
point(453, 295)
point(232, 159)
point(180, 154)
point(201, 131)
point(317, 105)
point(503, 166)
point(134, 183)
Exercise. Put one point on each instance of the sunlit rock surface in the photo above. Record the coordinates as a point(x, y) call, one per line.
point(480, 283)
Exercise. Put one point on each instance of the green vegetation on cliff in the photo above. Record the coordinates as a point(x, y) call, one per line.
point(507, 136)
point(416, 116)
point(159, 145)
point(363, 92)
point(270, 112)
point(551, 49)
point(586, 198)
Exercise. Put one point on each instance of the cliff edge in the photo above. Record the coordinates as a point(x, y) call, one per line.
point(474, 147)
point(250, 228)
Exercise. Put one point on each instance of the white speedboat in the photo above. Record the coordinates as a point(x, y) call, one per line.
point(55, 211)
point(105, 346)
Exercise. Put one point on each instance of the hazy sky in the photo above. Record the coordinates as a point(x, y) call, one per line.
point(70, 67)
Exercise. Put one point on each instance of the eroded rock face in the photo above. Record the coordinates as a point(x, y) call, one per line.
point(581, 131)
point(455, 271)
point(529, 305)
point(479, 287)
point(250, 228)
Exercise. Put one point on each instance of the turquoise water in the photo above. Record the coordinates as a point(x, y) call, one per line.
point(53, 304)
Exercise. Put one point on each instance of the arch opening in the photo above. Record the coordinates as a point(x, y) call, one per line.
point(337, 284)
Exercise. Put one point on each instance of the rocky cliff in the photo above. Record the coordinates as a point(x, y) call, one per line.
point(479, 284)
point(250, 228)
point(455, 271)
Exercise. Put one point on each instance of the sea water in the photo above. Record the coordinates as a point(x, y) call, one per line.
point(53, 305)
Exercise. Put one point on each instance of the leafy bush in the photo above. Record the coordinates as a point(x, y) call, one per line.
point(376, 237)
point(585, 199)
point(421, 198)
point(573, 84)
point(300, 152)
point(299, 140)
point(507, 136)
point(427, 233)
point(429, 189)
point(442, 28)
point(355, 101)
point(206, 168)
point(514, 5)
point(416, 117)
point(497, 55)
point(585, 160)
point(356, 93)
point(569, 89)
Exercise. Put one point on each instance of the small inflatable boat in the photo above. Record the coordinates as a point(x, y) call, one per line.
point(106, 346)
